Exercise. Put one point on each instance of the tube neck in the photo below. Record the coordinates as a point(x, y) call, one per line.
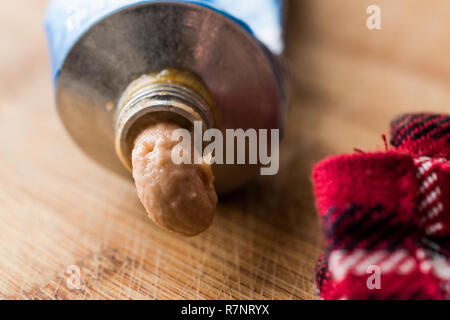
point(151, 98)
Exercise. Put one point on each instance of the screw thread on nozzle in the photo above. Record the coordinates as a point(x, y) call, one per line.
point(170, 94)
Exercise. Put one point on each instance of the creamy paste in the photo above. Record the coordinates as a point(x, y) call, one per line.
point(178, 198)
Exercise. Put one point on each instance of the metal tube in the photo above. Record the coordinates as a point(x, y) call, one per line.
point(113, 49)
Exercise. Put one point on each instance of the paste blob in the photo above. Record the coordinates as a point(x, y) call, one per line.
point(178, 198)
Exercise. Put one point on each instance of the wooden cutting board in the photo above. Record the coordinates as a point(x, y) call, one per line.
point(58, 209)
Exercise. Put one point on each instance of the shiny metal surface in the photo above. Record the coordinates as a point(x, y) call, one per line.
point(237, 70)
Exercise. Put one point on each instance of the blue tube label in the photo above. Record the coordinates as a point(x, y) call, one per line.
point(67, 20)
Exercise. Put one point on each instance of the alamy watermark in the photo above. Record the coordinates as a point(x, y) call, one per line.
point(73, 281)
point(374, 280)
point(235, 147)
point(374, 20)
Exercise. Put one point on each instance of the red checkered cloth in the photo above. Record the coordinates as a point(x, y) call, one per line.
point(386, 216)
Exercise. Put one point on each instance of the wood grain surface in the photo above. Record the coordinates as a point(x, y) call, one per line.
point(57, 208)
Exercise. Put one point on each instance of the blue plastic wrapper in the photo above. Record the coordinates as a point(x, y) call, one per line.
point(67, 20)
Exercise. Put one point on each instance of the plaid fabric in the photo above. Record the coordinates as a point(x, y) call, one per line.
point(386, 215)
point(422, 134)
